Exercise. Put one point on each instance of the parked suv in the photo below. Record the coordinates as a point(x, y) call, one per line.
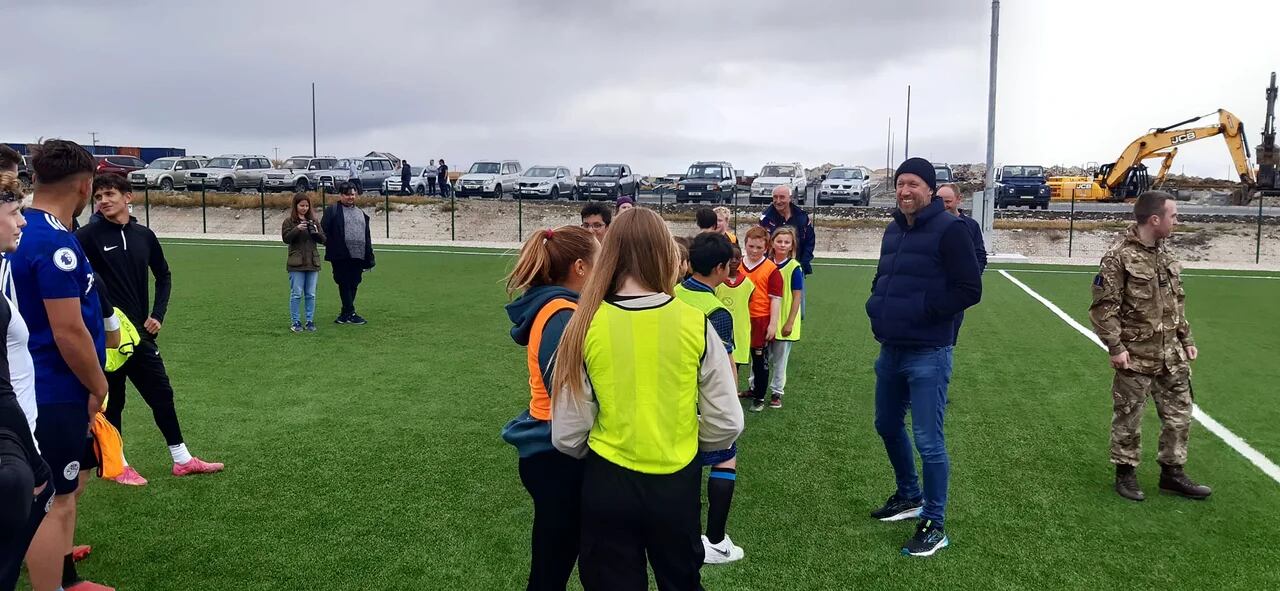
point(417, 182)
point(845, 184)
point(776, 174)
point(121, 165)
point(303, 173)
point(548, 182)
point(230, 172)
point(368, 173)
point(165, 173)
point(609, 181)
point(1022, 185)
point(712, 181)
point(489, 178)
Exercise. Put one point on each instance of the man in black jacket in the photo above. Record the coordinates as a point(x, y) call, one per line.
point(124, 255)
point(349, 249)
point(406, 177)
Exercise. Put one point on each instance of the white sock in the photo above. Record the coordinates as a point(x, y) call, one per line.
point(180, 453)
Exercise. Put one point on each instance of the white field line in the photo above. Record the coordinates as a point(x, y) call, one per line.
point(1243, 448)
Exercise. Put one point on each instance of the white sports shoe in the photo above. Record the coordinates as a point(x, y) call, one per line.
point(722, 553)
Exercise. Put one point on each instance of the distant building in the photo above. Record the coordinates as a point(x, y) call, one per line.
point(395, 160)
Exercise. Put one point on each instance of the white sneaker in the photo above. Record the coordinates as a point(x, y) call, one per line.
point(722, 553)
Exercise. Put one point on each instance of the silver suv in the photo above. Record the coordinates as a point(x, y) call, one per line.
point(368, 173)
point(230, 173)
point(165, 173)
point(303, 173)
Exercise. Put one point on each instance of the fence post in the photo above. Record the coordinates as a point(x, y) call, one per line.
point(1257, 253)
point(453, 222)
point(386, 211)
point(204, 218)
point(146, 205)
point(519, 216)
point(1071, 231)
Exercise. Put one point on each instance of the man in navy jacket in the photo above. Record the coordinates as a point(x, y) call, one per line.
point(927, 276)
point(785, 213)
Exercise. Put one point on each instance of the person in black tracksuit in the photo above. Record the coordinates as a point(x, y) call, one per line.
point(124, 255)
point(348, 248)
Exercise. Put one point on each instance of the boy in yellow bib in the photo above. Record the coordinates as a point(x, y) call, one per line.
point(710, 255)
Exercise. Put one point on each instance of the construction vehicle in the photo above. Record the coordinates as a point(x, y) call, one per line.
point(1128, 177)
point(1268, 153)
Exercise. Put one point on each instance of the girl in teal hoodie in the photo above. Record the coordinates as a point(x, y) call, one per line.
point(552, 268)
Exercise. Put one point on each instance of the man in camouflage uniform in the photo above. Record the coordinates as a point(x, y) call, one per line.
point(1137, 312)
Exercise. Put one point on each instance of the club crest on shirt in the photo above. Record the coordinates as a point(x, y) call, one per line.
point(71, 471)
point(64, 258)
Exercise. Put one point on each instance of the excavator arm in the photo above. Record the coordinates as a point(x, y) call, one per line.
point(1155, 144)
point(1164, 166)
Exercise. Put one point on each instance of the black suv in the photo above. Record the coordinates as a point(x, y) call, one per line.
point(609, 181)
point(707, 181)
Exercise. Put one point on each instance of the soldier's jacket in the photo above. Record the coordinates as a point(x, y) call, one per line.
point(1138, 305)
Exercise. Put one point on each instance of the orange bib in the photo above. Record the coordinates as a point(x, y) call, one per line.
point(539, 400)
point(760, 277)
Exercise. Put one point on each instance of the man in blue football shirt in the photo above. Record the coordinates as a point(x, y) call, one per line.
point(56, 294)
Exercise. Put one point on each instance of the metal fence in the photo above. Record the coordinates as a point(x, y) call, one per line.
point(1072, 234)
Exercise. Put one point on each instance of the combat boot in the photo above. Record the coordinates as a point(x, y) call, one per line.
point(1127, 483)
point(1174, 481)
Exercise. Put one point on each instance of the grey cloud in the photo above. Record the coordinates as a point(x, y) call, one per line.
point(180, 75)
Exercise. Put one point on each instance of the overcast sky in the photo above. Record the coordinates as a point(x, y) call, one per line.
point(656, 83)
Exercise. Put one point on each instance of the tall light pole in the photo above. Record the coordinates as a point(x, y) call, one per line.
point(906, 140)
point(313, 120)
point(988, 190)
point(94, 135)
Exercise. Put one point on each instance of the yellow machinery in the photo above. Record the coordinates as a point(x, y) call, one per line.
point(1127, 176)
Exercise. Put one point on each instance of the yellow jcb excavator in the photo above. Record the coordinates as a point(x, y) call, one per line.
point(1127, 176)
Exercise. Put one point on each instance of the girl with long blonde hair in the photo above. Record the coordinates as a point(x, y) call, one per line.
point(634, 369)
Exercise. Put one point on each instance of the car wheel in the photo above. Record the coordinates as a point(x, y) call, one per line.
point(166, 184)
point(302, 186)
point(555, 193)
point(227, 185)
point(421, 190)
point(497, 191)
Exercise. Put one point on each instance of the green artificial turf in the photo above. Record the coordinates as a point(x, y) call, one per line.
point(369, 457)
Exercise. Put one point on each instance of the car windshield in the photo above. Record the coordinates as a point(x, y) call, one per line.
point(161, 164)
point(1022, 171)
point(295, 163)
point(540, 172)
point(221, 163)
point(845, 174)
point(705, 171)
point(943, 174)
point(605, 170)
point(320, 165)
point(485, 168)
point(415, 170)
point(778, 171)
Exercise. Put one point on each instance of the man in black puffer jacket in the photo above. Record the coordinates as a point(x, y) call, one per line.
point(927, 276)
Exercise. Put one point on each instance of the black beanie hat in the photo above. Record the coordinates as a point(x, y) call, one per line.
point(921, 168)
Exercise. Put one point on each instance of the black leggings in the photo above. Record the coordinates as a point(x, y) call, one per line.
point(146, 370)
point(20, 511)
point(347, 275)
point(759, 373)
point(630, 518)
point(554, 480)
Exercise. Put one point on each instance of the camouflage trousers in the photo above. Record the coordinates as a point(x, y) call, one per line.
point(1172, 394)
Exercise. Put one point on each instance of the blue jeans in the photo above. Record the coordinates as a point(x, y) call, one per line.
point(915, 378)
point(302, 284)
